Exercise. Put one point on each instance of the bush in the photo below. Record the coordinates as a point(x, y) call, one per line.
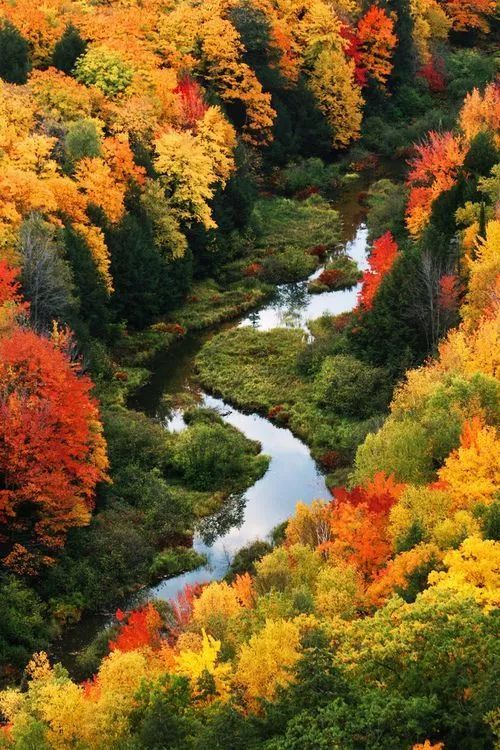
point(351, 388)
point(310, 173)
point(341, 273)
point(285, 267)
point(208, 456)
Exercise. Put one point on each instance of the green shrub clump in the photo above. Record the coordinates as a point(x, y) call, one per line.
point(350, 387)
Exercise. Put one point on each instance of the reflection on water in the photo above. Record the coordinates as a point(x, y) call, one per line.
point(292, 476)
point(292, 306)
point(230, 514)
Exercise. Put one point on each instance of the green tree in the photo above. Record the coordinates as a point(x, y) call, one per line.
point(68, 49)
point(14, 54)
point(24, 625)
point(82, 139)
point(90, 291)
point(350, 387)
point(105, 69)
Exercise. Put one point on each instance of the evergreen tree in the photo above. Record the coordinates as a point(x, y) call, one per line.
point(14, 54)
point(68, 49)
point(404, 54)
point(93, 308)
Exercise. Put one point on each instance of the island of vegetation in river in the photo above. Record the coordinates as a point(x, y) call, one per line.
point(165, 167)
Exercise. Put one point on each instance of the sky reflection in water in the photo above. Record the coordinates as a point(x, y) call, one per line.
point(292, 475)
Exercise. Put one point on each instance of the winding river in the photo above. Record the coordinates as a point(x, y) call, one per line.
point(293, 475)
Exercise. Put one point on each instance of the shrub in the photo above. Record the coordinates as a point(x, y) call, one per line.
point(290, 265)
point(208, 456)
point(302, 176)
point(351, 388)
point(253, 269)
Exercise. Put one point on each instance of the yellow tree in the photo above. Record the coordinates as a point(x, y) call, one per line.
point(265, 662)
point(430, 23)
point(187, 176)
point(217, 604)
point(471, 473)
point(474, 567)
point(482, 289)
point(196, 664)
point(218, 138)
point(339, 591)
point(338, 96)
point(422, 507)
point(310, 524)
point(481, 113)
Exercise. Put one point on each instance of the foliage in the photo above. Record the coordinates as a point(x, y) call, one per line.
point(49, 486)
point(68, 49)
point(105, 69)
point(349, 387)
point(14, 54)
point(130, 169)
point(214, 455)
point(381, 260)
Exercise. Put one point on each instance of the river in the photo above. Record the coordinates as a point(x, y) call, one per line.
point(292, 475)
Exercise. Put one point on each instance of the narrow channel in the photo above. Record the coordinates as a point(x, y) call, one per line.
point(293, 475)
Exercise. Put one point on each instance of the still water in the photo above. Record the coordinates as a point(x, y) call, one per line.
point(293, 474)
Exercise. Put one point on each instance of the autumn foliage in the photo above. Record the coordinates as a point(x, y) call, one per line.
point(141, 628)
point(382, 257)
point(376, 41)
point(52, 453)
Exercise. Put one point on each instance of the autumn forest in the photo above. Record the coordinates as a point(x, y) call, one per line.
point(249, 375)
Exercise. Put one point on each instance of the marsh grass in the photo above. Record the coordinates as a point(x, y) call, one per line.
point(263, 371)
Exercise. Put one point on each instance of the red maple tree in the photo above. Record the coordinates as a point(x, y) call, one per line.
point(383, 254)
point(141, 628)
point(52, 452)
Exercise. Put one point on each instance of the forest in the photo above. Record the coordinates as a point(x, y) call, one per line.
point(249, 375)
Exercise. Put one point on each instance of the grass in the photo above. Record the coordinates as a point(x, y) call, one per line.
point(281, 222)
point(285, 231)
point(210, 303)
point(253, 369)
point(264, 371)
